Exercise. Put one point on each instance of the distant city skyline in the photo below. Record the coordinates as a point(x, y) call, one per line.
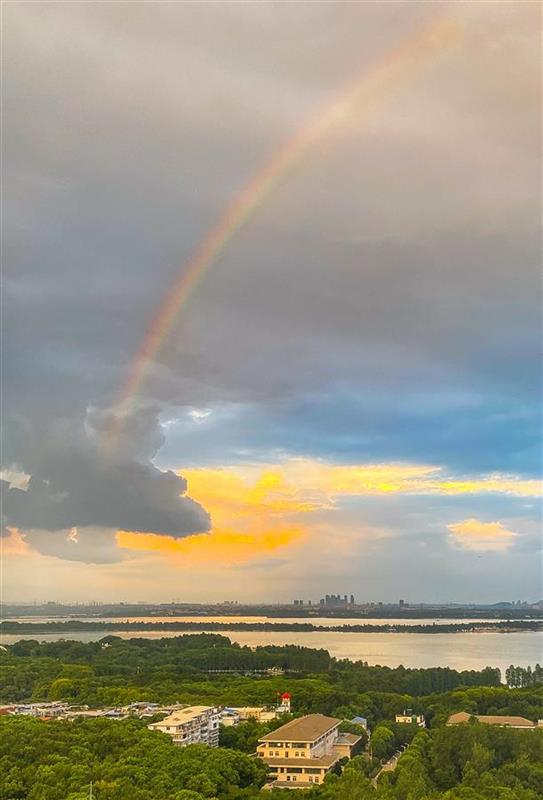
point(234, 604)
point(272, 301)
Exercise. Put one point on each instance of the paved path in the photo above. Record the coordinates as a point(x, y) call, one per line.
point(390, 766)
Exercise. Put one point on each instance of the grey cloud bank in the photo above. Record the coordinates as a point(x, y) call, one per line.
point(80, 479)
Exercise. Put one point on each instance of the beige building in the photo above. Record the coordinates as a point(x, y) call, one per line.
point(234, 715)
point(506, 722)
point(303, 751)
point(191, 725)
point(245, 713)
point(409, 718)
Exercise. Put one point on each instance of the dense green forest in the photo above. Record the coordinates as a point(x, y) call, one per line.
point(56, 760)
point(466, 762)
point(187, 668)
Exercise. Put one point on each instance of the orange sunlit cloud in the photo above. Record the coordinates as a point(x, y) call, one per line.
point(230, 494)
point(473, 534)
point(260, 509)
point(337, 480)
point(250, 518)
point(222, 546)
point(14, 544)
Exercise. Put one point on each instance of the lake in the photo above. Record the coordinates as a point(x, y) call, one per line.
point(325, 622)
point(456, 650)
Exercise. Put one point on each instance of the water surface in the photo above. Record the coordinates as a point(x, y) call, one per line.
point(459, 651)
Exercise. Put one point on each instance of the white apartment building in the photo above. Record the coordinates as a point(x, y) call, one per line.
point(303, 751)
point(191, 725)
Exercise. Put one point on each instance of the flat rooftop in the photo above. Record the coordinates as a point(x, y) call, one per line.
point(347, 738)
point(304, 729)
point(181, 715)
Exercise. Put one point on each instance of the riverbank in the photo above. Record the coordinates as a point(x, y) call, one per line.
point(460, 651)
point(10, 627)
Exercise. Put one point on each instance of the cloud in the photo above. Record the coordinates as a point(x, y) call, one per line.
point(327, 285)
point(254, 514)
point(254, 491)
point(76, 481)
point(13, 542)
point(373, 479)
point(222, 546)
point(199, 414)
point(378, 317)
point(473, 534)
point(257, 509)
point(89, 545)
point(302, 485)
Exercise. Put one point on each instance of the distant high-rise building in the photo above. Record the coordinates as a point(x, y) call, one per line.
point(402, 603)
point(336, 601)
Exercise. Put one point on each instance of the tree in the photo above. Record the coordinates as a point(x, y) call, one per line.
point(479, 762)
point(382, 742)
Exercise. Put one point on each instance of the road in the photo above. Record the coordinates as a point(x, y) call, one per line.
point(390, 766)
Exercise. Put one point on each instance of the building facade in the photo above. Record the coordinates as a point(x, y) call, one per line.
point(408, 717)
point(233, 715)
point(191, 725)
point(304, 751)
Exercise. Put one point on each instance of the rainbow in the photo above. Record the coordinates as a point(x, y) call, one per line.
point(361, 97)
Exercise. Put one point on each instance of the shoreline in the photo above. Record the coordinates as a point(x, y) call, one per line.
point(8, 627)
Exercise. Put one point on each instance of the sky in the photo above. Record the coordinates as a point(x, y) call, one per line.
point(271, 301)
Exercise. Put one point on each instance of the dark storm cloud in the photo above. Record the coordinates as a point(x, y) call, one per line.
point(77, 479)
